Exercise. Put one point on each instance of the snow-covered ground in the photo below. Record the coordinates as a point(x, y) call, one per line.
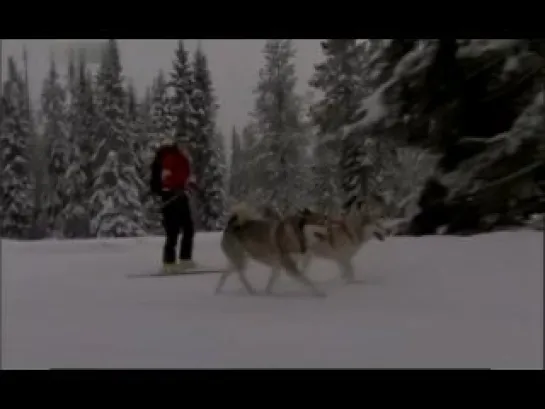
point(426, 302)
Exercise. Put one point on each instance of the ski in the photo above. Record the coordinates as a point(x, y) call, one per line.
point(178, 273)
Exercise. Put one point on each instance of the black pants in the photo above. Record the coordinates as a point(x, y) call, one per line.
point(177, 219)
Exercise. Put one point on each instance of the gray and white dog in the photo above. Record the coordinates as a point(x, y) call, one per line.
point(269, 239)
point(340, 239)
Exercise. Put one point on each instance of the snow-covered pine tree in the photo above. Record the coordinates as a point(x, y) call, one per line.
point(116, 186)
point(136, 133)
point(247, 167)
point(463, 99)
point(235, 165)
point(306, 172)
point(83, 120)
point(16, 190)
point(144, 112)
point(277, 114)
point(115, 193)
point(338, 78)
point(152, 221)
point(218, 196)
point(180, 92)
point(131, 103)
point(147, 102)
point(57, 147)
point(37, 162)
point(514, 190)
point(222, 160)
point(161, 121)
point(159, 126)
point(209, 155)
point(340, 82)
point(111, 107)
point(72, 76)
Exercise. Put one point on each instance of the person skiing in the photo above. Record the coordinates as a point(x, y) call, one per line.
point(171, 177)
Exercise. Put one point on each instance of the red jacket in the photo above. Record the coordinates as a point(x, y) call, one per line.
point(175, 169)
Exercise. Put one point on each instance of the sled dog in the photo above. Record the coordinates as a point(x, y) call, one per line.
point(272, 240)
point(341, 239)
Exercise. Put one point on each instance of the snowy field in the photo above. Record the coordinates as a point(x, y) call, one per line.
point(423, 302)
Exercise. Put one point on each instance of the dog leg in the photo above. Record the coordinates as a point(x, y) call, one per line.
point(291, 268)
point(347, 271)
point(243, 279)
point(275, 273)
point(305, 261)
point(238, 261)
point(222, 280)
point(237, 265)
point(382, 232)
point(245, 282)
point(303, 279)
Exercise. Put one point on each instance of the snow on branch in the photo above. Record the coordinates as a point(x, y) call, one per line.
point(529, 125)
point(475, 48)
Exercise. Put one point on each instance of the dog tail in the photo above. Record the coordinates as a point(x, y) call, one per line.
point(241, 213)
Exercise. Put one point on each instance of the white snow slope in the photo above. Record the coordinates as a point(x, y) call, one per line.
point(430, 302)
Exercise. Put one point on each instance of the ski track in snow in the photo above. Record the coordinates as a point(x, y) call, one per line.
point(429, 302)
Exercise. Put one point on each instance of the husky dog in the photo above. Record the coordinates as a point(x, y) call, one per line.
point(272, 241)
point(341, 239)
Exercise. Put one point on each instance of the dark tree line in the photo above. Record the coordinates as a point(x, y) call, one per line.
point(450, 133)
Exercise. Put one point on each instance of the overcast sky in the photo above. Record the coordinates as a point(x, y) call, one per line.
point(234, 65)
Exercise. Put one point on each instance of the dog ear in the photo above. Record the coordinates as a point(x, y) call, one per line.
point(232, 220)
